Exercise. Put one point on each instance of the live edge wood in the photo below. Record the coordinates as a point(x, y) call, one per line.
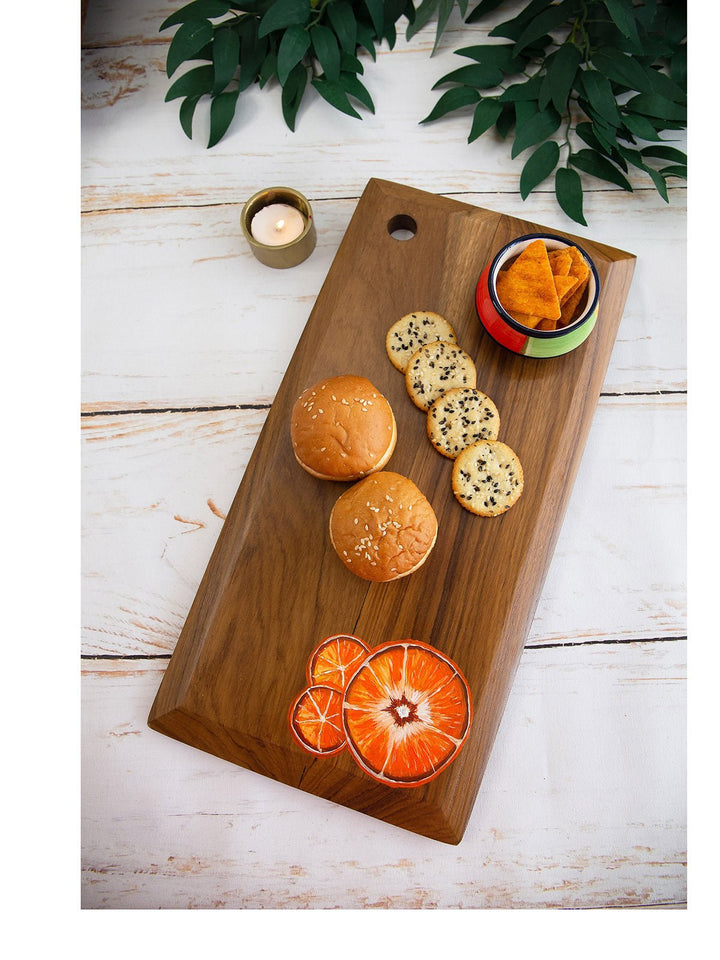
point(273, 587)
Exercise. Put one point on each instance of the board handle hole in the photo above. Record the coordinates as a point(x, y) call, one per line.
point(402, 227)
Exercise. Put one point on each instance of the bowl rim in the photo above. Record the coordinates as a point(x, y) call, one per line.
point(531, 331)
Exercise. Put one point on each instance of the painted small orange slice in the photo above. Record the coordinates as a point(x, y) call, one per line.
point(315, 720)
point(335, 660)
point(406, 713)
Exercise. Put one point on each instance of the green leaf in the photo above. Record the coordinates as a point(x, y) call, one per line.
point(678, 66)
point(599, 166)
point(621, 68)
point(189, 38)
point(336, 96)
point(292, 94)
point(284, 13)
point(675, 170)
point(529, 90)
point(222, 110)
point(550, 18)
point(226, 56)
point(344, 24)
point(194, 83)
point(498, 55)
point(560, 77)
point(452, 99)
point(485, 6)
point(197, 10)
point(326, 50)
point(653, 105)
point(539, 126)
point(268, 68)
point(377, 15)
point(568, 190)
point(663, 152)
point(293, 47)
point(539, 165)
point(600, 96)
point(586, 132)
point(253, 50)
point(473, 75)
point(423, 15)
point(662, 84)
point(637, 160)
point(187, 110)
point(505, 121)
point(365, 39)
point(640, 126)
point(623, 16)
point(486, 114)
point(512, 29)
point(354, 88)
point(446, 8)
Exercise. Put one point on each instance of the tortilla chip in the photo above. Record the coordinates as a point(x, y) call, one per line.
point(564, 287)
point(560, 262)
point(579, 266)
point(527, 286)
point(526, 320)
point(567, 314)
point(547, 325)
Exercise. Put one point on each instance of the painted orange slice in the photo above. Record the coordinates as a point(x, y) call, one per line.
point(315, 720)
point(406, 713)
point(335, 660)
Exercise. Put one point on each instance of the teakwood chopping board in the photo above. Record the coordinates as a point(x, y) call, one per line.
point(274, 586)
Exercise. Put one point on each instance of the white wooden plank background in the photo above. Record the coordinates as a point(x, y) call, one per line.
point(185, 338)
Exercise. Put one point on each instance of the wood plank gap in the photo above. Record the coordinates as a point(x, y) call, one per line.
point(118, 657)
point(204, 409)
point(590, 643)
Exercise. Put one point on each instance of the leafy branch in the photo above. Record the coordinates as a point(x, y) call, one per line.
point(589, 84)
point(592, 86)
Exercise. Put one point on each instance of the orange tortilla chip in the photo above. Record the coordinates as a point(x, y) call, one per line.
point(564, 287)
point(579, 266)
point(527, 321)
point(570, 305)
point(547, 325)
point(528, 286)
point(560, 262)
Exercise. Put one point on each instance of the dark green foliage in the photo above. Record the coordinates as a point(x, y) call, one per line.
point(609, 73)
point(585, 85)
point(302, 44)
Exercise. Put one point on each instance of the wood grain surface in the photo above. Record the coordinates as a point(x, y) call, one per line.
point(273, 587)
point(185, 341)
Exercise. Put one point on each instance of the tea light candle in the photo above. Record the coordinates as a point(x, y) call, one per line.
point(277, 223)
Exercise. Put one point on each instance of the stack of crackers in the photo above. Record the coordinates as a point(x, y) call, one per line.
point(542, 288)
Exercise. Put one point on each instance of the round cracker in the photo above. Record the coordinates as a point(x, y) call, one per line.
point(436, 368)
point(413, 330)
point(459, 417)
point(487, 478)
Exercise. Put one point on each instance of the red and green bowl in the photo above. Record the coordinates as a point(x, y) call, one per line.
point(524, 340)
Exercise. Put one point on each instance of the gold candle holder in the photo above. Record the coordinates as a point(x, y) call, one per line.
point(286, 254)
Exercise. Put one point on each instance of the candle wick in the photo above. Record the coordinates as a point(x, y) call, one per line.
point(280, 224)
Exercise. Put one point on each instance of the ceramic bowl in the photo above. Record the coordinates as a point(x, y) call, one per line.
point(525, 340)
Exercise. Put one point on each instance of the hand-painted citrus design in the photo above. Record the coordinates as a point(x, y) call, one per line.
point(403, 708)
point(406, 713)
point(315, 720)
point(335, 660)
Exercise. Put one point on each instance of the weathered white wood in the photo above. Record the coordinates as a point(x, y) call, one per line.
point(156, 487)
point(582, 805)
point(183, 282)
point(135, 153)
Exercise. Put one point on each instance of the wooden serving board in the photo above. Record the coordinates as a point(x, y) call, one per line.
point(274, 587)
